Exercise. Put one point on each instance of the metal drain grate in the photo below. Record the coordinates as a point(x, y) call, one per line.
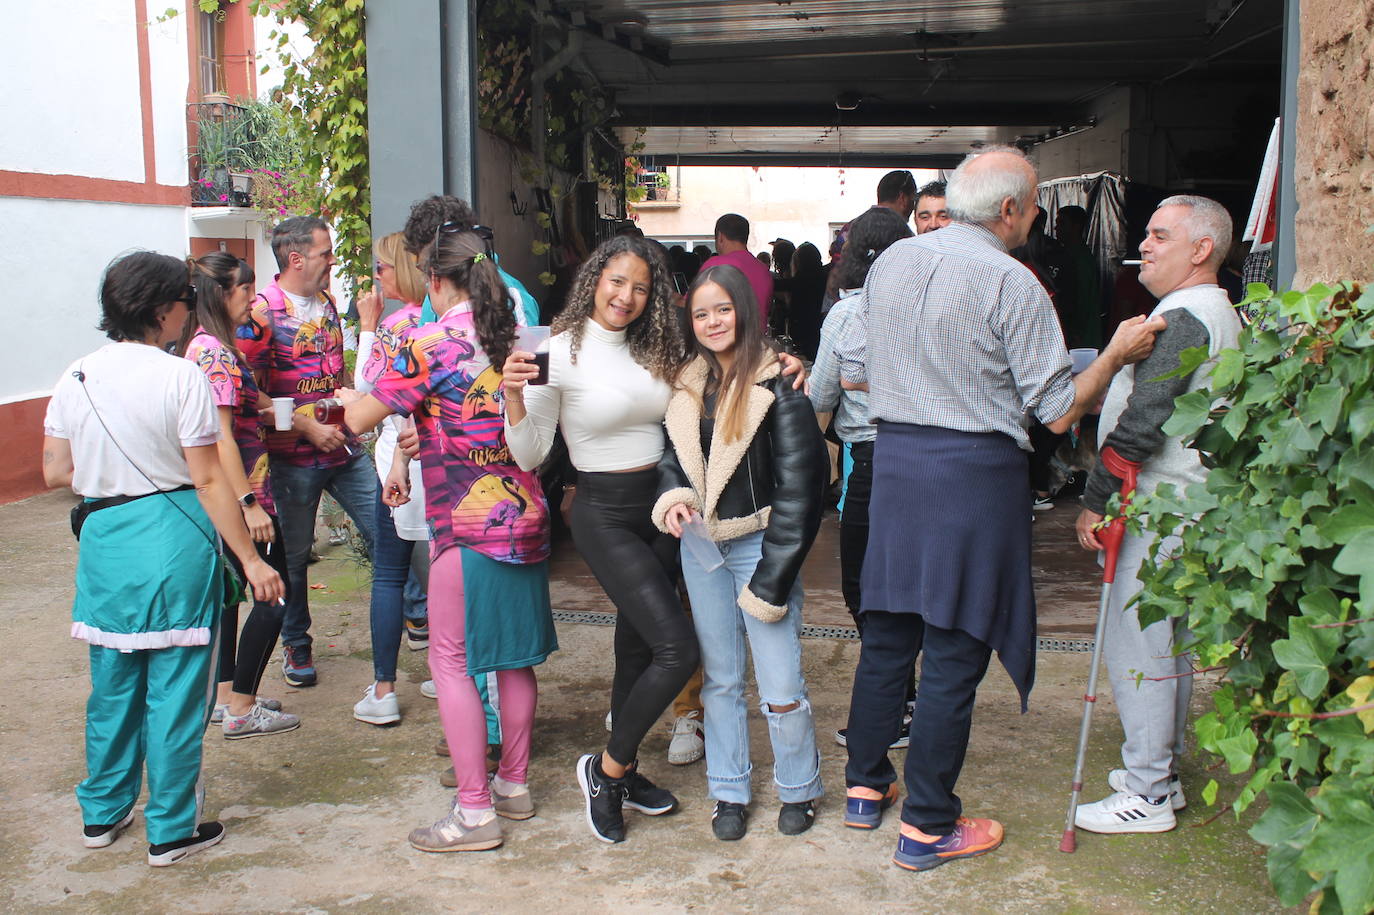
point(844, 633)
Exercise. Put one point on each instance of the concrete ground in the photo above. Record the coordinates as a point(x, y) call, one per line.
point(317, 818)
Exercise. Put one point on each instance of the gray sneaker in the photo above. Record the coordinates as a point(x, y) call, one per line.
point(512, 806)
point(259, 722)
point(449, 834)
point(222, 708)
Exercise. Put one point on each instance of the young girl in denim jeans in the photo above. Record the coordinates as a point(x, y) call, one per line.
point(744, 454)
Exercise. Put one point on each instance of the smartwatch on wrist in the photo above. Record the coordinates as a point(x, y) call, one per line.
point(247, 499)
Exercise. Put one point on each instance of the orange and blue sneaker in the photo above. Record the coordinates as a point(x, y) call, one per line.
point(863, 807)
point(917, 851)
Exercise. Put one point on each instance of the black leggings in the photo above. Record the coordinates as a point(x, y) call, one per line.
point(260, 630)
point(858, 494)
point(655, 645)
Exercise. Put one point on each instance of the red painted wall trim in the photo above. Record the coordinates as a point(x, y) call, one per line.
point(21, 437)
point(103, 190)
point(145, 90)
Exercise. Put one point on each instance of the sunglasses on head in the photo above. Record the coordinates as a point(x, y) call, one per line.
point(188, 296)
point(450, 228)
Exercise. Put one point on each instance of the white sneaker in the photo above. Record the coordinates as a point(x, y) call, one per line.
point(386, 710)
point(428, 691)
point(1121, 812)
point(608, 721)
point(689, 741)
point(1117, 780)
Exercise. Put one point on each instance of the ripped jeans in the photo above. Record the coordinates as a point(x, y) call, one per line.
point(776, 648)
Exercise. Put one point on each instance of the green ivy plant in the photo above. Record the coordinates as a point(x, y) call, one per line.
point(1275, 578)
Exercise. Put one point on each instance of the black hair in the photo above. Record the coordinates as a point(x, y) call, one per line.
point(894, 184)
point(426, 216)
point(734, 227)
point(214, 275)
point(807, 260)
point(462, 259)
point(136, 289)
point(295, 234)
point(870, 234)
point(932, 189)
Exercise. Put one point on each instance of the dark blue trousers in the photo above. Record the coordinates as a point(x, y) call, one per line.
point(952, 666)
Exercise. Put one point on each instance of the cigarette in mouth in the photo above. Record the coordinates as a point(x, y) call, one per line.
point(1131, 263)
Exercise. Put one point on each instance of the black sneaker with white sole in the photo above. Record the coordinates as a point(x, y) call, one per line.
point(796, 818)
point(102, 836)
point(169, 853)
point(604, 797)
point(646, 797)
point(901, 743)
point(728, 821)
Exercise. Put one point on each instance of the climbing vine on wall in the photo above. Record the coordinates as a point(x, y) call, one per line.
point(325, 93)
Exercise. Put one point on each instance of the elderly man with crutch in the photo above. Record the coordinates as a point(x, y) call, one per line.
point(1185, 243)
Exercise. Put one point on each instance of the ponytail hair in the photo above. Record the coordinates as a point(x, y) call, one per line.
point(464, 259)
point(213, 275)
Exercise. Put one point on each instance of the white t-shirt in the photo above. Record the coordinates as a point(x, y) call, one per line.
point(610, 407)
point(153, 405)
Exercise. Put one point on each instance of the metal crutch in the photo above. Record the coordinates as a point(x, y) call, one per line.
point(1111, 536)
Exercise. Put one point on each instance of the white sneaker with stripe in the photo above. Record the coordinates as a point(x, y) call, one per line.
point(1122, 813)
point(1116, 780)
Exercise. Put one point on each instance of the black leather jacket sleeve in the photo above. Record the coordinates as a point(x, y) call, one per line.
point(800, 470)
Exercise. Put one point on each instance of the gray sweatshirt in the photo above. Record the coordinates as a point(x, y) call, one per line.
point(1137, 404)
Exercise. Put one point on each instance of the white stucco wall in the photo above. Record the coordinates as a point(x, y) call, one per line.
point(169, 70)
point(70, 85)
point(795, 203)
point(52, 255)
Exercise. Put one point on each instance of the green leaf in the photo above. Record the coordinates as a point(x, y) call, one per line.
point(1188, 362)
point(1306, 655)
point(1361, 420)
point(1291, 882)
point(1209, 792)
point(1289, 819)
point(1230, 368)
point(1190, 412)
point(1357, 556)
point(1346, 522)
point(1239, 751)
point(1323, 405)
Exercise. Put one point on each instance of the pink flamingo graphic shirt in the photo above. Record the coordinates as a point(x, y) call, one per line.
point(231, 386)
point(392, 334)
point(476, 496)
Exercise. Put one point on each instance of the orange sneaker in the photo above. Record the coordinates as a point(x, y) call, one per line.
point(970, 838)
point(863, 807)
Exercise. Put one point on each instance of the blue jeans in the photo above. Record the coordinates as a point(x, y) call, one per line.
point(776, 648)
point(396, 563)
point(296, 490)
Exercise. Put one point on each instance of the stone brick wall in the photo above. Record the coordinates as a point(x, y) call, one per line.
point(1334, 169)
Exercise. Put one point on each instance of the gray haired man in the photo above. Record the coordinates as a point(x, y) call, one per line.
point(1184, 246)
point(960, 347)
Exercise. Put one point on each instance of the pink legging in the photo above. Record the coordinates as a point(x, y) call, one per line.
point(460, 708)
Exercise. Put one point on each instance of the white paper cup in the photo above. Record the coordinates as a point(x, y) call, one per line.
point(1082, 358)
point(282, 408)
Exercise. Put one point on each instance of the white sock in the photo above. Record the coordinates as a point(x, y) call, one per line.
point(474, 818)
point(508, 789)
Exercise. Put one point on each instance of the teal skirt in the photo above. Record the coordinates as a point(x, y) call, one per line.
point(148, 575)
point(509, 620)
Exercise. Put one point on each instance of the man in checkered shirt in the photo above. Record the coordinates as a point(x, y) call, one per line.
point(959, 347)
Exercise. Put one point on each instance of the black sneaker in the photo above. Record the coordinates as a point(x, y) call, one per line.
point(417, 633)
point(297, 665)
point(727, 821)
point(170, 853)
point(795, 819)
point(604, 795)
point(901, 743)
point(102, 836)
point(646, 797)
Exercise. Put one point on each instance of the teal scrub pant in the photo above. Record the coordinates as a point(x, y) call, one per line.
point(147, 707)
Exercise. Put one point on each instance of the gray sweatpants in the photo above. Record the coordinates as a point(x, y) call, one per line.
point(1154, 712)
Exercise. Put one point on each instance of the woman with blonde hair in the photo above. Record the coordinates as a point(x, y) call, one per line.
point(401, 551)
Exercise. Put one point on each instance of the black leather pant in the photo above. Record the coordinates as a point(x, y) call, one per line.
point(655, 645)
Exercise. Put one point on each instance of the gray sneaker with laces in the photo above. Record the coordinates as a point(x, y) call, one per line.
point(259, 722)
point(449, 834)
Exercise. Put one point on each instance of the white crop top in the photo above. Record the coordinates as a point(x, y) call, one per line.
point(610, 407)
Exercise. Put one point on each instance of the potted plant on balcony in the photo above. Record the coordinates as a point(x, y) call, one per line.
point(251, 156)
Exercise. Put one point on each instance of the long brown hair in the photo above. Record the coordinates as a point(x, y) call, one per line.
point(462, 258)
point(655, 337)
point(214, 275)
point(751, 351)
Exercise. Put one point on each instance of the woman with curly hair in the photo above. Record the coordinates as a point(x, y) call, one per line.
point(489, 524)
point(614, 351)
